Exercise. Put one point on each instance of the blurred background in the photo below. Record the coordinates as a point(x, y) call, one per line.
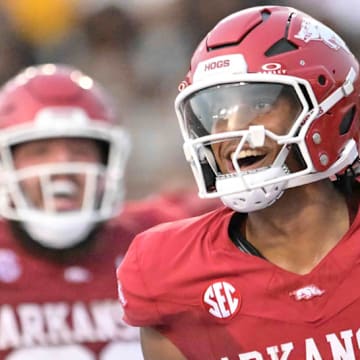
point(140, 51)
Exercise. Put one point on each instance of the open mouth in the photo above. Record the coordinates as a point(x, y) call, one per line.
point(63, 188)
point(247, 159)
point(65, 195)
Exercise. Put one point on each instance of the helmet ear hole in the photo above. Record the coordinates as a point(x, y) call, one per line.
point(322, 80)
point(347, 121)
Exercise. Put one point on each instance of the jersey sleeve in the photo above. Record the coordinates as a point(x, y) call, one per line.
point(139, 307)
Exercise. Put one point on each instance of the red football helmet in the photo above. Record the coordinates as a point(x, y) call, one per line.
point(251, 60)
point(57, 101)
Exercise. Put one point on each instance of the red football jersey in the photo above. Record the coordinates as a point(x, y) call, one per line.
point(191, 283)
point(70, 309)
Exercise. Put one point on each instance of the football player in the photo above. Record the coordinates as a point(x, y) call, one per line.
point(269, 112)
point(62, 160)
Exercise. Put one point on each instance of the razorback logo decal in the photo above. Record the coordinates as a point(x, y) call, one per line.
point(307, 292)
point(312, 30)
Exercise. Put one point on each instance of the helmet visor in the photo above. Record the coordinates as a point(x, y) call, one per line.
point(233, 107)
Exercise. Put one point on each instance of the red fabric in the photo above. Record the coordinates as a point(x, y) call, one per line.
point(43, 315)
point(176, 276)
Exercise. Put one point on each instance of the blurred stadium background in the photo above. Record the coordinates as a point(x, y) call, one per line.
point(139, 50)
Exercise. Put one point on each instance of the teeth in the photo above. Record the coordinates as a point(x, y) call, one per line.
point(246, 153)
point(64, 188)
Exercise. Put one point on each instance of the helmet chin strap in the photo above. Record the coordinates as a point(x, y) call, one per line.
point(245, 200)
point(59, 231)
point(243, 192)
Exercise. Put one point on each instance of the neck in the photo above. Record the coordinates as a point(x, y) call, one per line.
point(299, 230)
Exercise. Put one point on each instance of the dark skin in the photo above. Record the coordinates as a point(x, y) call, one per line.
point(275, 117)
point(301, 227)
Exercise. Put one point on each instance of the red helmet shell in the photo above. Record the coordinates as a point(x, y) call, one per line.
point(52, 85)
point(285, 41)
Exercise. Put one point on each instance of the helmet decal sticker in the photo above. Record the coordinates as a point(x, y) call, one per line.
point(312, 30)
point(220, 65)
point(273, 68)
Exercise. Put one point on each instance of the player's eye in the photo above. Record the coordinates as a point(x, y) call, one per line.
point(263, 105)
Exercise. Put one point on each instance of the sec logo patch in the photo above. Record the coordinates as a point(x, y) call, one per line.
point(221, 300)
